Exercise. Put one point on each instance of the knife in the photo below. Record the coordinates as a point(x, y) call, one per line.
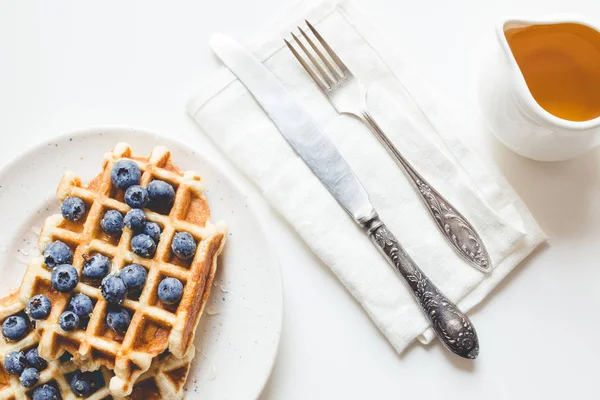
point(299, 129)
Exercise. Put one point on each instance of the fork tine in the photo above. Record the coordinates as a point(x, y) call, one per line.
point(330, 67)
point(322, 85)
point(328, 48)
point(324, 75)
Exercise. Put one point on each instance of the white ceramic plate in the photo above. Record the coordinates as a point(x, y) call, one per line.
point(238, 335)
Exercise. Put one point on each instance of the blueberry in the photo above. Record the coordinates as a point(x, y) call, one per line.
point(81, 305)
point(125, 173)
point(161, 194)
point(34, 360)
point(45, 392)
point(29, 377)
point(64, 278)
point(68, 321)
point(134, 276)
point(96, 266)
point(170, 290)
point(112, 222)
point(143, 245)
point(183, 245)
point(39, 307)
point(118, 320)
point(57, 253)
point(136, 196)
point(113, 289)
point(15, 328)
point(14, 362)
point(152, 229)
point(135, 219)
point(83, 383)
point(73, 209)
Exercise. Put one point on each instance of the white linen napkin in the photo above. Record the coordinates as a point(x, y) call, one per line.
point(424, 130)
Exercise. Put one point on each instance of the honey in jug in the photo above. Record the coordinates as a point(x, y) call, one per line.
point(561, 66)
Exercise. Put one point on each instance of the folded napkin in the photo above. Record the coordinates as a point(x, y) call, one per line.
point(424, 130)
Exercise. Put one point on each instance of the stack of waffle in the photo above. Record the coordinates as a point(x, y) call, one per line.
point(151, 359)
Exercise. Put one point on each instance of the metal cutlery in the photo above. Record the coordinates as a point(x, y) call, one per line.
point(348, 95)
point(294, 123)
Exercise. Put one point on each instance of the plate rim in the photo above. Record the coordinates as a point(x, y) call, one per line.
point(252, 209)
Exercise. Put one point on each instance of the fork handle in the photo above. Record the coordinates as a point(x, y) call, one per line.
point(450, 324)
point(455, 228)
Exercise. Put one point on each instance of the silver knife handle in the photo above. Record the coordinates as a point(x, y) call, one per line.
point(452, 224)
point(450, 324)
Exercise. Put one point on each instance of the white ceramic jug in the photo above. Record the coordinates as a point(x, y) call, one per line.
point(513, 114)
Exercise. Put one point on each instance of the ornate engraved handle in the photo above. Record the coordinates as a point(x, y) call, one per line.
point(451, 325)
point(454, 226)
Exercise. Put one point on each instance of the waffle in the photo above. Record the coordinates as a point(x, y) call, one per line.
point(155, 327)
point(164, 380)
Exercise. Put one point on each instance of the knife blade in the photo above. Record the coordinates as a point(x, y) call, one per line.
point(302, 133)
point(297, 127)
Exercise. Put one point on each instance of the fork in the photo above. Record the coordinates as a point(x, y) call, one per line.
point(348, 96)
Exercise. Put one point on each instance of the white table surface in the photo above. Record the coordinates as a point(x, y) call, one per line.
point(74, 64)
